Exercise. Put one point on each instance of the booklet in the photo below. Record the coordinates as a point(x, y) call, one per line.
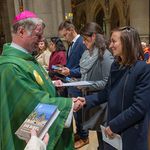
point(78, 83)
point(116, 142)
point(40, 120)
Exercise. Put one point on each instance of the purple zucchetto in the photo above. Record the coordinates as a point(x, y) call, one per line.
point(24, 15)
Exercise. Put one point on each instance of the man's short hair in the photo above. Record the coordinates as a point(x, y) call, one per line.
point(67, 24)
point(28, 24)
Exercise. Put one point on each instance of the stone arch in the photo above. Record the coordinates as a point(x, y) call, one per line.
point(94, 7)
point(97, 12)
point(115, 21)
point(128, 17)
point(82, 19)
point(118, 5)
point(79, 19)
point(2, 35)
point(6, 15)
point(100, 18)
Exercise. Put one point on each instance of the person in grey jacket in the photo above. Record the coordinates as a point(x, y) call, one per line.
point(95, 66)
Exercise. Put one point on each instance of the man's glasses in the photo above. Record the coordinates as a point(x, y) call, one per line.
point(86, 38)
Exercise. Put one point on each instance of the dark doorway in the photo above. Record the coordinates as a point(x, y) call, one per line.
point(100, 18)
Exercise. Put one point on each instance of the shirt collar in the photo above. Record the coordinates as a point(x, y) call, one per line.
point(18, 47)
point(74, 40)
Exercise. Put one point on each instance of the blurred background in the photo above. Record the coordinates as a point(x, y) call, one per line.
point(107, 13)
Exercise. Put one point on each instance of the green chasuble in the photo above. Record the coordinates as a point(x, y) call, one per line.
point(23, 84)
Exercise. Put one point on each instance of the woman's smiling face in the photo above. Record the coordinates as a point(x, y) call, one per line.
point(115, 44)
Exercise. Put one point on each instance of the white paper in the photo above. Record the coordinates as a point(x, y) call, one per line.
point(78, 83)
point(116, 142)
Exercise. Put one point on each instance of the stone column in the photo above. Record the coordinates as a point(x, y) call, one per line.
point(51, 11)
point(7, 11)
point(67, 6)
point(60, 12)
point(16, 6)
point(139, 17)
point(107, 22)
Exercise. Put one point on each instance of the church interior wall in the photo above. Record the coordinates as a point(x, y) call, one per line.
point(140, 18)
point(131, 12)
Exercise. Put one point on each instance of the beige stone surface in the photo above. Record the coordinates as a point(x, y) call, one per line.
point(93, 142)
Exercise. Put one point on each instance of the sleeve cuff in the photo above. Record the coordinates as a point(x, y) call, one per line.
point(35, 144)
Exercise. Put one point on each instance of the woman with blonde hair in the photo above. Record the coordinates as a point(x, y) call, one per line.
point(43, 53)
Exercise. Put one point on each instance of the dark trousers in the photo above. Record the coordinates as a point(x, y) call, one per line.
point(83, 133)
point(74, 92)
point(100, 140)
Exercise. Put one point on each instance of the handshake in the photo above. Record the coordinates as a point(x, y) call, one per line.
point(79, 102)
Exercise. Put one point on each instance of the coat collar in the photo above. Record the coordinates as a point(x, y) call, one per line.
point(117, 72)
point(11, 51)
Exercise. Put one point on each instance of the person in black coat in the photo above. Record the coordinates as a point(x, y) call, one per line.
point(127, 92)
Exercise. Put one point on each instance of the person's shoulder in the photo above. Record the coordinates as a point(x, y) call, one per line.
point(79, 40)
point(9, 69)
point(61, 53)
point(46, 52)
point(142, 67)
point(79, 44)
point(107, 53)
point(8, 60)
point(108, 57)
point(141, 64)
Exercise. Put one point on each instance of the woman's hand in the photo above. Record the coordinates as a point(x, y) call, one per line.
point(58, 83)
point(109, 133)
point(65, 71)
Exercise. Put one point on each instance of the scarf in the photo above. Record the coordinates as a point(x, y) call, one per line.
point(87, 61)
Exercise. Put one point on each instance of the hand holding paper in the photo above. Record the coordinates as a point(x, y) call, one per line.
point(109, 133)
point(58, 83)
point(113, 139)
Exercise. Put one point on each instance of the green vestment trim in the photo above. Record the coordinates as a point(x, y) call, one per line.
point(23, 84)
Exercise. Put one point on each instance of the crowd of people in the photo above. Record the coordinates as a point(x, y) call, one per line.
point(116, 99)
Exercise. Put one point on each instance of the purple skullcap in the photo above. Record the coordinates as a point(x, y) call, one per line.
point(24, 15)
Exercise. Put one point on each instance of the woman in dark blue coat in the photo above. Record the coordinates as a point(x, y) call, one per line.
point(127, 92)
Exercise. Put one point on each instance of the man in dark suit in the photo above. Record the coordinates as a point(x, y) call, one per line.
point(67, 30)
point(75, 50)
